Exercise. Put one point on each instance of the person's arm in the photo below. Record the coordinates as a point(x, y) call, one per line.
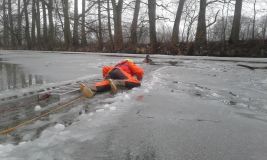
point(138, 71)
point(105, 70)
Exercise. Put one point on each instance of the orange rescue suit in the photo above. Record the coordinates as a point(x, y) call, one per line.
point(124, 70)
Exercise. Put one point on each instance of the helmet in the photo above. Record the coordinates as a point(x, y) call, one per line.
point(130, 60)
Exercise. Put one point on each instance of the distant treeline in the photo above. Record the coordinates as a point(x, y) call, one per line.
point(197, 27)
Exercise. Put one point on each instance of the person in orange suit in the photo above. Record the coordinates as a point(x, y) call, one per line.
point(125, 74)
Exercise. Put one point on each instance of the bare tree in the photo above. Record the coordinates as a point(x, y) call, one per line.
point(254, 19)
point(234, 37)
point(44, 21)
point(264, 28)
point(175, 31)
point(33, 38)
point(19, 34)
point(225, 20)
point(134, 23)
point(152, 25)
point(24, 24)
point(11, 27)
point(67, 34)
point(109, 25)
point(100, 36)
point(5, 21)
point(75, 25)
point(84, 41)
point(27, 28)
point(189, 12)
point(117, 11)
point(38, 22)
point(201, 35)
point(51, 24)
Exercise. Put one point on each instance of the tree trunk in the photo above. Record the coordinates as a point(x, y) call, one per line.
point(84, 41)
point(67, 34)
point(19, 36)
point(75, 25)
point(27, 26)
point(109, 26)
point(201, 35)
point(5, 21)
point(224, 22)
point(55, 23)
point(100, 37)
point(134, 24)
point(175, 31)
point(44, 23)
point(33, 23)
point(51, 25)
point(11, 26)
point(38, 23)
point(234, 37)
point(152, 25)
point(264, 28)
point(117, 11)
point(225, 26)
point(254, 20)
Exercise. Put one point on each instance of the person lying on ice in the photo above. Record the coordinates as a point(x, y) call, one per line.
point(124, 74)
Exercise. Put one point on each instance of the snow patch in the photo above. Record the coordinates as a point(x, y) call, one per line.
point(106, 106)
point(215, 95)
point(37, 108)
point(22, 143)
point(59, 127)
point(113, 108)
point(126, 96)
point(100, 110)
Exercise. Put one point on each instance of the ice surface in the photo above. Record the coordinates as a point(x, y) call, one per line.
point(113, 108)
point(201, 109)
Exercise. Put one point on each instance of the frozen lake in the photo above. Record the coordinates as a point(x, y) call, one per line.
point(187, 108)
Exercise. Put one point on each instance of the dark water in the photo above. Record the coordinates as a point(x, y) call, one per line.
point(13, 76)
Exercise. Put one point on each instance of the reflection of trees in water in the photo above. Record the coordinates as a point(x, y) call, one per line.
point(12, 76)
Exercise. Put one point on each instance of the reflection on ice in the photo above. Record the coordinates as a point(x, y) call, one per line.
point(12, 76)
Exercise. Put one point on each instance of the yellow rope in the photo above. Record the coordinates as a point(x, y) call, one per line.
point(6, 131)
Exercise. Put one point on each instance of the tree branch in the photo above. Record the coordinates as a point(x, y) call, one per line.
point(210, 2)
point(214, 20)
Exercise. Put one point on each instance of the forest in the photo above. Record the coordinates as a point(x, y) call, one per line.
point(177, 27)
